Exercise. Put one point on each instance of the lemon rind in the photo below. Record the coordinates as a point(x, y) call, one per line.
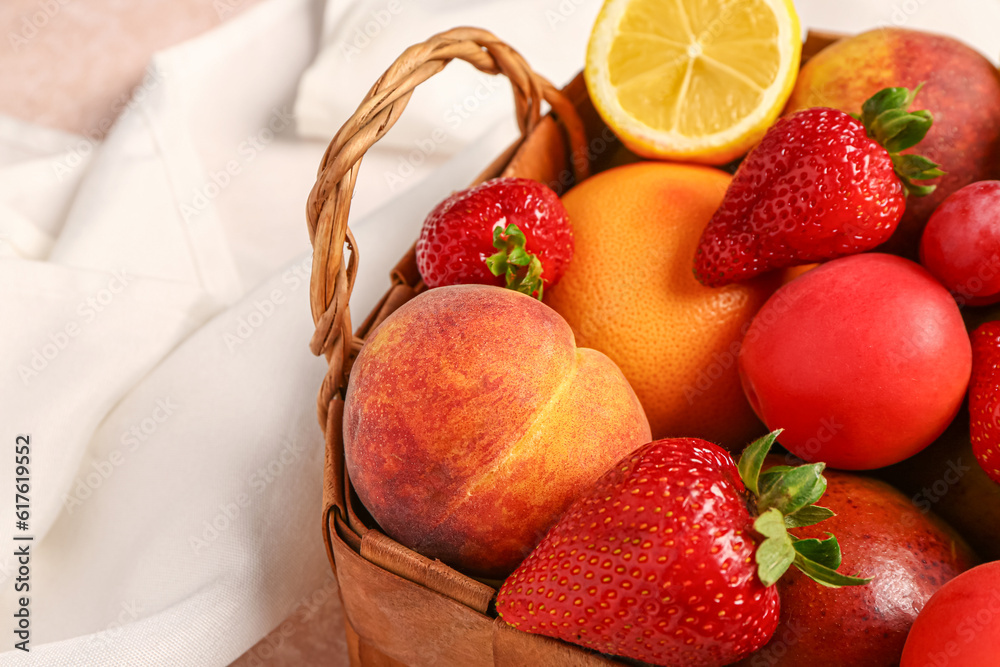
point(716, 148)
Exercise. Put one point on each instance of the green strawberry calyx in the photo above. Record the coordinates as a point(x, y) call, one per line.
point(786, 497)
point(523, 270)
point(886, 117)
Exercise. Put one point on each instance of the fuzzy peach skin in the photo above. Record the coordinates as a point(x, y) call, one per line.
point(961, 89)
point(472, 421)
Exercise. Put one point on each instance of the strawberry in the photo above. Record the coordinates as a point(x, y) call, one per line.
point(672, 557)
point(821, 184)
point(984, 398)
point(511, 232)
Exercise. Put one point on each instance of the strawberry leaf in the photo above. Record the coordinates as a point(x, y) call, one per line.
point(824, 575)
point(918, 190)
point(825, 552)
point(916, 167)
point(785, 497)
point(770, 477)
point(523, 271)
point(794, 489)
point(528, 282)
point(889, 124)
point(776, 553)
point(887, 120)
point(808, 516)
point(886, 100)
point(752, 460)
point(912, 132)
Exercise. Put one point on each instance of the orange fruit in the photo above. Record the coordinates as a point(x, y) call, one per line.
point(630, 292)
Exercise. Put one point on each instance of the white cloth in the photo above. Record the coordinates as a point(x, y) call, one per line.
point(154, 309)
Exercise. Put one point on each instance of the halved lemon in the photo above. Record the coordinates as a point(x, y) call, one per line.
point(696, 80)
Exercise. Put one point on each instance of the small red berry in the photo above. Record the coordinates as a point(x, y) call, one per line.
point(467, 229)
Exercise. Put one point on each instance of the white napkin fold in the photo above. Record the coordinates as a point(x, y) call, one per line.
point(152, 427)
point(176, 459)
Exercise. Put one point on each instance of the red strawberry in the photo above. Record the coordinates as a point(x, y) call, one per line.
point(511, 232)
point(821, 184)
point(671, 558)
point(984, 398)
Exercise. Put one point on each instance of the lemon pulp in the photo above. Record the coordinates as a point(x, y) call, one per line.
point(692, 78)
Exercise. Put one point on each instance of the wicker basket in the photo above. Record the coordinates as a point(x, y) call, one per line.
point(402, 609)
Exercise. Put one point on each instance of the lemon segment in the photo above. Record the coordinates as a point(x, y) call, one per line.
point(697, 80)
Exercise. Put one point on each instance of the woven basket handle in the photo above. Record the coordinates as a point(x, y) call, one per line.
point(330, 200)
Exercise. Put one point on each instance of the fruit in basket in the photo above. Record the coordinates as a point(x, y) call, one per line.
point(820, 185)
point(692, 80)
point(510, 232)
point(672, 556)
point(962, 91)
point(472, 420)
point(910, 553)
point(946, 479)
point(984, 398)
point(961, 243)
point(630, 294)
point(960, 626)
point(864, 361)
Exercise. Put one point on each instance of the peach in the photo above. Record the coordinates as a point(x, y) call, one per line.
point(961, 89)
point(472, 421)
